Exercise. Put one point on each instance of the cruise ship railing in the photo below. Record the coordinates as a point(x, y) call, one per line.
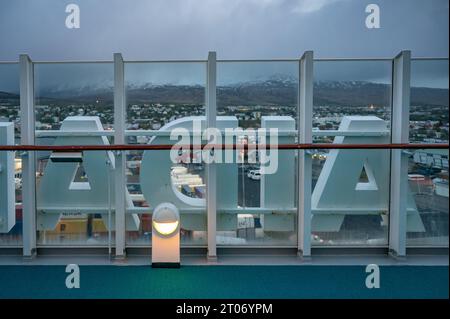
point(301, 145)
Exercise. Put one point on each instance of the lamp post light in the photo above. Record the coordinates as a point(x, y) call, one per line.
point(166, 236)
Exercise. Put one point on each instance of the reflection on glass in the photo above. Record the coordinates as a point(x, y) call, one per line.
point(428, 169)
point(185, 179)
point(9, 95)
point(429, 101)
point(351, 97)
point(73, 97)
point(350, 200)
point(14, 236)
point(259, 95)
point(249, 90)
point(359, 88)
point(9, 112)
point(428, 182)
point(157, 95)
point(76, 229)
point(73, 89)
point(75, 196)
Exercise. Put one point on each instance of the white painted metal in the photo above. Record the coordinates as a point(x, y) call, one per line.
point(401, 81)
point(338, 191)
point(304, 171)
point(28, 158)
point(159, 186)
point(278, 189)
point(120, 156)
point(55, 194)
point(211, 177)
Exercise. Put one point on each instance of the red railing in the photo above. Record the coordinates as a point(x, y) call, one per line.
point(129, 147)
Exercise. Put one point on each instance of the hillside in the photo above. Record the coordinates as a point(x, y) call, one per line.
point(273, 92)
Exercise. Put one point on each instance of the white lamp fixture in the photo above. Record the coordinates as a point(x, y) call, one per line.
point(166, 236)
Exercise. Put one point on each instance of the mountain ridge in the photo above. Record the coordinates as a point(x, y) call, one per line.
point(265, 93)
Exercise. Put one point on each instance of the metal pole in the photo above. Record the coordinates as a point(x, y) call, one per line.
point(108, 163)
point(304, 125)
point(211, 178)
point(401, 80)
point(27, 126)
point(120, 155)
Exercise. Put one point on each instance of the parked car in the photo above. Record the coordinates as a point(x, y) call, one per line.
point(254, 175)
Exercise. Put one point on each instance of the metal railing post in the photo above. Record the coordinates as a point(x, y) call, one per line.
point(211, 176)
point(304, 125)
point(120, 156)
point(401, 80)
point(27, 126)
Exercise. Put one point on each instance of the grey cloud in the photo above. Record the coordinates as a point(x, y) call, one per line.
point(186, 29)
point(236, 29)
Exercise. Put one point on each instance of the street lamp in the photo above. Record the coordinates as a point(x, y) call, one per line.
point(166, 236)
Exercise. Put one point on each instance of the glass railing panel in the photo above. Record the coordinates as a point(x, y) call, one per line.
point(428, 168)
point(73, 106)
point(260, 208)
point(75, 198)
point(349, 88)
point(428, 116)
point(254, 208)
point(350, 199)
point(65, 90)
point(9, 95)
point(351, 105)
point(10, 195)
point(427, 223)
point(10, 162)
point(162, 97)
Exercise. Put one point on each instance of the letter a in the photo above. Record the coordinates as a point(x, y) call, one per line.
point(373, 279)
point(373, 19)
point(73, 19)
point(73, 279)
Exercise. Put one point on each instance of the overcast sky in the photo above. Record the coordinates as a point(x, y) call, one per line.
point(187, 29)
point(236, 29)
